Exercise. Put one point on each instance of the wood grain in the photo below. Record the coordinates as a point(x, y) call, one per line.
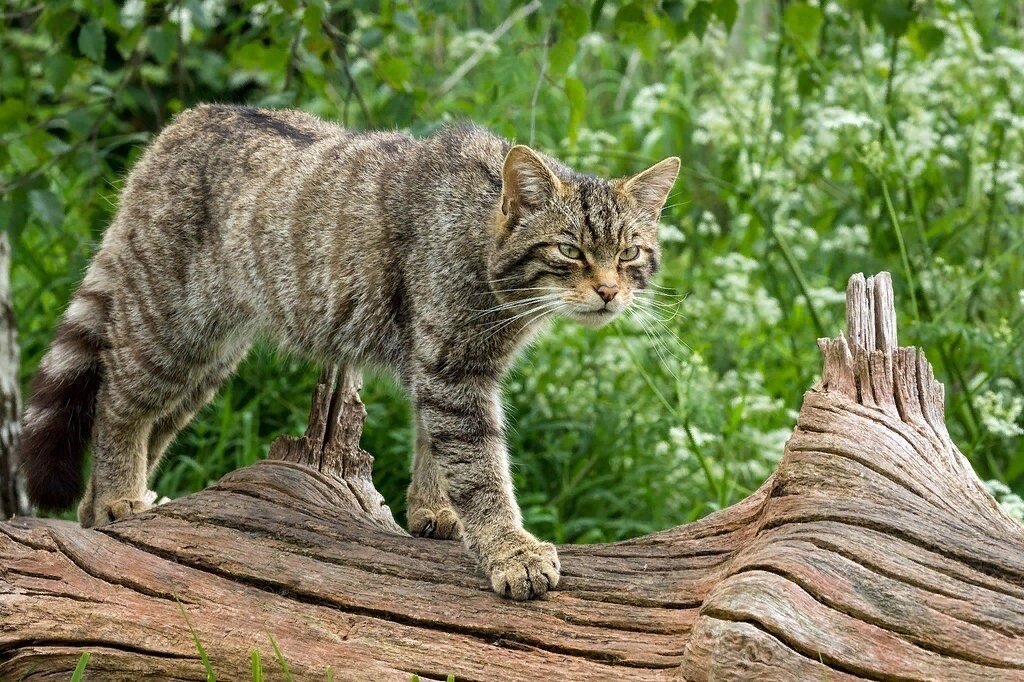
point(873, 552)
point(12, 490)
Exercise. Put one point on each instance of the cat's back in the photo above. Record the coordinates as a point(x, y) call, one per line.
point(218, 170)
point(218, 151)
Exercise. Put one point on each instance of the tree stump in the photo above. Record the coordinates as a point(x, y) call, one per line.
point(12, 489)
point(873, 552)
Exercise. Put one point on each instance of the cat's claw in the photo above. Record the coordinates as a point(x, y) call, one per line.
point(110, 510)
point(525, 569)
point(440, 524)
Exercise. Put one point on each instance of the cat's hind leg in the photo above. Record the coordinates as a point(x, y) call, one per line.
point(429, 511)
point(140, 386)
point(204, 386)
point(117, 483)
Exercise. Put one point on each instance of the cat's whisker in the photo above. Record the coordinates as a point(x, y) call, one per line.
point(680, 344)
point(662, 292)
point(494, 329)
point(663, 305)
point(514, 304)
point(517, 302)
point(671, 313)
point(490, 280)
point(657, 345)
point(669, 359)
point(659, 294)
point(658, 298)
point(505, 291)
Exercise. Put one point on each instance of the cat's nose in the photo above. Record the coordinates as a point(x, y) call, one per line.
point(607, 292)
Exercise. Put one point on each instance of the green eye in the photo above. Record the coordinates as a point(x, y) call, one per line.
point(630, 254)
point(570, 251)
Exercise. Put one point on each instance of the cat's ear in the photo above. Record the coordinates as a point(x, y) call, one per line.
point(526, 181)
point(650, 189)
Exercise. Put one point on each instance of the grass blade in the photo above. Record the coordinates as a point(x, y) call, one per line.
point(83, 661)
point(210, 675)
point(280, 658)
point(257, 666)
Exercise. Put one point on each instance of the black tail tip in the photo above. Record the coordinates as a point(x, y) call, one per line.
point(51, 461)
point(55, 492)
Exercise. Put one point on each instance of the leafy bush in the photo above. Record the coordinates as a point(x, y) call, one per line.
point(818, 138)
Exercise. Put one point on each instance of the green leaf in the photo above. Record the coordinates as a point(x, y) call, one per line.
point(726, 11)
point(925, 38)
point(57, 70)
point(698, 19)
point(631, 22)
point(162, 41)
point(895, 15)
point(573, 20)
point(395, 71)
point(371, 37)
point(12, 111)
point(47, 208)
point(577, 94)
point(803, 25)
point(311, 18)
point(407, 21)
point(560, 56)
point(92, 41)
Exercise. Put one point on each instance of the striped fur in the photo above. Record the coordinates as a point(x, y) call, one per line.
point(436, 259)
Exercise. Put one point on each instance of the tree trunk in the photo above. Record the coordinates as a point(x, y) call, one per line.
point(873, 552)
point(12, 492)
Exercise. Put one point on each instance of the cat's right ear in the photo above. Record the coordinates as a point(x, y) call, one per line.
point(526, 181)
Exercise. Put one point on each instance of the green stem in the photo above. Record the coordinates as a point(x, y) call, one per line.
point(903, 249)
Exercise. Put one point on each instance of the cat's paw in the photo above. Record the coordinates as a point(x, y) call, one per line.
point(523, 567)
point(106, 510)
point(441, 524)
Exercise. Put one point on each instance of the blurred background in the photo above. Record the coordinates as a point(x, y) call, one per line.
point(818, 139)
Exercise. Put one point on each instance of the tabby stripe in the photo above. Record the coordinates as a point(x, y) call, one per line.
point(585, 210)
point(469, 436)
point(445, 406)
point(541, 273)
point(518, 262)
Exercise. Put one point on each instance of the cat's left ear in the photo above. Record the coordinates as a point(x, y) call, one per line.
point(526, 181)
point(650, 189)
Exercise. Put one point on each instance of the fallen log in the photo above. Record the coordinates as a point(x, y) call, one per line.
point(873, 552)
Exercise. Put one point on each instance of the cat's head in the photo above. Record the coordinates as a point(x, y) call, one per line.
point(572, 244)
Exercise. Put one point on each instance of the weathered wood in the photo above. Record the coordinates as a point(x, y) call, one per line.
point(12, 490)
point(873, 552)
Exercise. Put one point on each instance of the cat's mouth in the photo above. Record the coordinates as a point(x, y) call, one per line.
point(594, 318)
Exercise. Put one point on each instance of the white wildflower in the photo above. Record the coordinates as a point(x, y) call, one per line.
point(645, 105)
point(1000, 413)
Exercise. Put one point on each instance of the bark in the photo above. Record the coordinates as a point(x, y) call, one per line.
point(873, 552)
point(12, 492)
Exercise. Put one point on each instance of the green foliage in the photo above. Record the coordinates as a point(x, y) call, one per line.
point(818, 139)
point(281, 662)
point(256, 666)
point(211, 676)
point(79, 671)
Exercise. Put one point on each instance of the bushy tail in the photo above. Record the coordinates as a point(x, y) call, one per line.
point(61, 406)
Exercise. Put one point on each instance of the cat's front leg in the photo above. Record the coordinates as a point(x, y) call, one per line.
point(462, 420)
point(430, 512)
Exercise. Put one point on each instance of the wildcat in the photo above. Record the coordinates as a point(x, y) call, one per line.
point(435, 258)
